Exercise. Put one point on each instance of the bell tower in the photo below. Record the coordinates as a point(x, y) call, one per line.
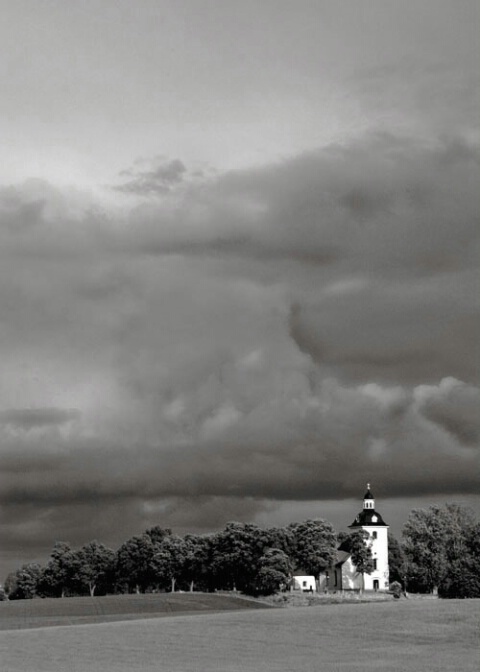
point(370, 520)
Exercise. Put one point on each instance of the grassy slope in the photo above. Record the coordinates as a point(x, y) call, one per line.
point(83, 610)
point(394, 636)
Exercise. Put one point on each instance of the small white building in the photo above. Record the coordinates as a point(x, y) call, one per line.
point(303, 582)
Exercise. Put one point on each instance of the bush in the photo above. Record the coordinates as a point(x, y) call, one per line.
point(396, 589)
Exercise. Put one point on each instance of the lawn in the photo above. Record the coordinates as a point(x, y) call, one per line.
point(397, 635)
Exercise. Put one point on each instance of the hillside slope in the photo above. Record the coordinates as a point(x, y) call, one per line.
point(80, 610)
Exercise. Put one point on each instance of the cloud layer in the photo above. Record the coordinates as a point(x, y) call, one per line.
point(278, 334)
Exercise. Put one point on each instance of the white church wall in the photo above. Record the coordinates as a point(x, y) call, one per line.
point(379, 578)
point(351, 579)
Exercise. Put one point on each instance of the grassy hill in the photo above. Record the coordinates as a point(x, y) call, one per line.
point(81, 610)
point(393, 636)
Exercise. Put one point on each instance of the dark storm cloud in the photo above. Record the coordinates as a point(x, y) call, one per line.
point(264, 336)
point(454, 406)
point(382, 204)
point(29, 418)
point(17, 216)
point(295, 450)
point(398, 332)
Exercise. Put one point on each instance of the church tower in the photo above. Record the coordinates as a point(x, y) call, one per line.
point(372, 522)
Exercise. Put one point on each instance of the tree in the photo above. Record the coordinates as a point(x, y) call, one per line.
point(463, 576)
point(360, 551)
point(23, 583)
point(196, 560)
point(396, 560)
point(281, 538)
point(157, 534)
point(134, 563)
point(275, 571)
point(58, 577)
point(438, 544)
point(235, 555)
point(168, 560)
point(95, 566)
point(314, 545)
point(11, 585)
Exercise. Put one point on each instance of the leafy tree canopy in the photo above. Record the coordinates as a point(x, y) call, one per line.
point(314, 545)
point(437, 543)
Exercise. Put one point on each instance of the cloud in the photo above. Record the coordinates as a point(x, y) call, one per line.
point(29, 418)
point(280, 334)
point(452, 405)
point(380, 204)
point(157, 180)
point(397, 331)
point(293, 446)
point(428, 96)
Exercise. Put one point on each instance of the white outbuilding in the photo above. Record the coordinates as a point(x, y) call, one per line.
point(303, 582)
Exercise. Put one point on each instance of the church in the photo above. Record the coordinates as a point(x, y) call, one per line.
point(343, 575)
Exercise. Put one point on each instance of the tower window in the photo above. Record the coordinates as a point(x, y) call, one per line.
point(374, 535)
point(375, 563)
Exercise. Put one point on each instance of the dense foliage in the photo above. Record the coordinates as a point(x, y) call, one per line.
point(314, 545)
point(396, 560)
point(241, 557)
point(440, 552)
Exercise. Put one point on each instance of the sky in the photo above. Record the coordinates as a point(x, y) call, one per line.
point(238, 264)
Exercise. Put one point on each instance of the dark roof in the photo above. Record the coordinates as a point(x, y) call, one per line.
point(368, 517)
point(368, 494)
point(341, 557)
point(302, 572)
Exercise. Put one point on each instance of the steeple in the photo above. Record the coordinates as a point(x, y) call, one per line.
point(368, 499)
point(368, 516)
point(375, 534)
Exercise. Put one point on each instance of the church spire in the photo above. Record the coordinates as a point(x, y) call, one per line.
point(368, 515)
point(368, 499)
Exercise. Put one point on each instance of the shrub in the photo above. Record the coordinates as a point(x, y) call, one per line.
point(396, 589)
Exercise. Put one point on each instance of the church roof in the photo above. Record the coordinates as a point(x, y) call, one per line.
point(369, 517)
point(341, 557)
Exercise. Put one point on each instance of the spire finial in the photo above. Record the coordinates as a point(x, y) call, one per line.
point(368, 486)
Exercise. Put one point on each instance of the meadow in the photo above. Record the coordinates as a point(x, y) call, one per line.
point(395, 635)
point(85, 610)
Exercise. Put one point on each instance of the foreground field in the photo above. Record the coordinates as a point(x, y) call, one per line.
point(403, 636)
point(85, 610)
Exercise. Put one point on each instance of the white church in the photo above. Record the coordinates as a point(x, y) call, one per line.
point(343, 576)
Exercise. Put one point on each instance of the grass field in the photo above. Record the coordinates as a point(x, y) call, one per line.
point(84, 610)
point(396, 635)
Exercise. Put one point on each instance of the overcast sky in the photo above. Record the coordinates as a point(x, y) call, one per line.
point(238, 264)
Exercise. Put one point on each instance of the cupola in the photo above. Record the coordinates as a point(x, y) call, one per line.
point(368, 499)
point(368, 516)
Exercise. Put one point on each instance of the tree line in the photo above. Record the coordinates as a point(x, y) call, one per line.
point(439, 552)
